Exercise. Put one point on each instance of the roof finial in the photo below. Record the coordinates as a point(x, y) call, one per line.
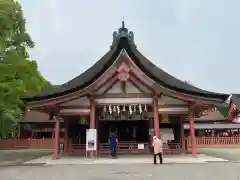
point(123, 24)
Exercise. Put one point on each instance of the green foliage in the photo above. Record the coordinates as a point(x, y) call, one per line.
point(19, 76)
point(13, 35)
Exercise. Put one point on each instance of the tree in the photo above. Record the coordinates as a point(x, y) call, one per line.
point(14, 38)
point(19, 76)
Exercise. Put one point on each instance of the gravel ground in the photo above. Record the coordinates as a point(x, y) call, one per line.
point(208, 171)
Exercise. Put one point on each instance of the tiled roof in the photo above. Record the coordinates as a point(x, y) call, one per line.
point(125, 40)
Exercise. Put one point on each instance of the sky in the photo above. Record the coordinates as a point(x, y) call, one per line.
point(194, 40)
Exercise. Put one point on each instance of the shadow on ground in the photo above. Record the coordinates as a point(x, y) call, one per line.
point(231, 154)
point(17, 157)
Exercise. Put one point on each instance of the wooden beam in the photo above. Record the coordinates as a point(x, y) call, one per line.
point(108, 85)
point(140, 77)
point(186, 97)
point(136, 85)
point(75, 114)
point(172, 105)
point(129, 95)
point(111, 85)
point(75, 107)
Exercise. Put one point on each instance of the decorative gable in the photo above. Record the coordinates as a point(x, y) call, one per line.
point(130, 88)
point(123, 72)
point(115, 89)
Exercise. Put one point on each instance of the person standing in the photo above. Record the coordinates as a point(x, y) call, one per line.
point(157, 150)
point(113, 145)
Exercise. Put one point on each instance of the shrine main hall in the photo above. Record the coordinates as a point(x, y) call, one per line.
point(127, 94)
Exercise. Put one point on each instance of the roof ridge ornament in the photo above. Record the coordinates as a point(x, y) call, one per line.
point(229, 99)
point(123, 33)
point(123, 24)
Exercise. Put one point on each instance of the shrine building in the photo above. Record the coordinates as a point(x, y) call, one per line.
point(127, 94)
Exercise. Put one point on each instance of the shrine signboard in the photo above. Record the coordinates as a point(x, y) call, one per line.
point(91, 140)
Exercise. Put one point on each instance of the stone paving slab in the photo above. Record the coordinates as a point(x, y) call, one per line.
point(231, 154)
point(198, 171)
point(201, 158)
point(18, 156)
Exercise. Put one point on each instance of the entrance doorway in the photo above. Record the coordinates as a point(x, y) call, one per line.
point(126, 131)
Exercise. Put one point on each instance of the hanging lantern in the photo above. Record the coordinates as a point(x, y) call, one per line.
point(130, 109)
point(145, 108)
point(124, 108)
point(105, 108)
point(118, 109)
point(114, 109)
point(110, 109)
point(140, 108)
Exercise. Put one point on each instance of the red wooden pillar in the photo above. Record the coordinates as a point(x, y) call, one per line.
point(93, 123)
point(56, 153)
point(182, 132)
point(66, 137)
point(92, 116)
point(150, 131)
point(192, 129)
point(156, 118)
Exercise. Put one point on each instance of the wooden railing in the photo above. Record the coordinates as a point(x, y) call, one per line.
point(26, 143)
point(76, 149)
point(215, 141)
point(124, 148)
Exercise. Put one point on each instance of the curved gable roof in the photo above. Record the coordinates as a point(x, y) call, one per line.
point(125, 40)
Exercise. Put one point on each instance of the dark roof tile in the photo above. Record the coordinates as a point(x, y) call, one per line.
point(124, 40)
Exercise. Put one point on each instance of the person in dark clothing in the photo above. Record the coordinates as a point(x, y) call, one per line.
point(113, 144)
point(155, 158)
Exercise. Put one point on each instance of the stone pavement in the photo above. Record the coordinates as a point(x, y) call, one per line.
point(201, 158)
point(197, 171)
point(18, 156)
point(231, 154)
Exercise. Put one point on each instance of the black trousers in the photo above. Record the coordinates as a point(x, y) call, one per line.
point(155, 158)
point(113, 151)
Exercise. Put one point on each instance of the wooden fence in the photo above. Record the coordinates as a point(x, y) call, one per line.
point(47, 143)
point(26, 143)
point(215, 141)
point(124, 148)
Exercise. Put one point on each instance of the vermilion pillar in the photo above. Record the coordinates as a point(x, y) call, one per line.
point(150, 131)
point(156, 118)
point(56, 153)
point(92, 116)
point(192, 129)
point(182, 132)
point(66, 137)
point(93, 123)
